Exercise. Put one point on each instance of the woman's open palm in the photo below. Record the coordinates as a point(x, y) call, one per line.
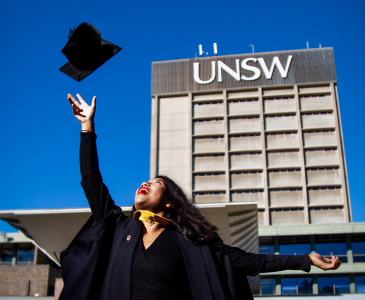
point(82, 111)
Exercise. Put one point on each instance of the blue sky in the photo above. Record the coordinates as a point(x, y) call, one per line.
point(40, 136)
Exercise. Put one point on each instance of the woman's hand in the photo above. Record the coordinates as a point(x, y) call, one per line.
point(83, 112)
point(323, 262)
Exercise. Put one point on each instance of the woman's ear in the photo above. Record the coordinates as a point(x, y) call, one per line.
point(169, 205)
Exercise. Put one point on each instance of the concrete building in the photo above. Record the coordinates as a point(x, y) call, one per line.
point(25, 270)
point(256, 139)
point(264, 128)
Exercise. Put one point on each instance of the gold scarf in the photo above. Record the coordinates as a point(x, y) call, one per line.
point(147, 216)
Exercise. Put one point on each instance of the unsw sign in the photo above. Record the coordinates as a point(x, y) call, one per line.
point(236, 73)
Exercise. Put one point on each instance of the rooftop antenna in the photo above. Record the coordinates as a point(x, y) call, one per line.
point(320, 46)
point(307, 45)
point(253, 48)
point(201, 52)
point(215, 49)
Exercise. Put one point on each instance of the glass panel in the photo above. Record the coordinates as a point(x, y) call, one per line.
point(302, 249)
point(342, 285)
point(25, 254)
point(359, 259)
point(325, 285)
point(323, 249)
point(287, 249)
point(268, 286)
point(6, 254)
point(360, 284)
point(267, 249)
point(288, 286)
point(305, 285)
point(339, 248)
point(343, 259)
point(358, 247)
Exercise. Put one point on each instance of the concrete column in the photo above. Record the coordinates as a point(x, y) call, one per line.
point(278, 285)
point(350, 258)
point(35, 255)
point(226, 147)
point(341, 153)
point(264, 164)
point(352, 284)
point(315, 285)
point(190, 143)
point(313, 243)
point(15, 254)
point(301, 155)
point(154, 138)
point(276, 245)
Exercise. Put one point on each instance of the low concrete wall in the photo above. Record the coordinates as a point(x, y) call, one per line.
point(246, 180)
point(284, 179)
point(281, 122)
point(287, 217)
point(283, 159)
point(243, 108)
point(210, 182)
point(279, 105)
point(319, 102)
point(326, 216)
point(244, 125)
point(24, 280)
point(323, 157)
point(318, 121)
point(286, 198)
point(317, 139)
point(323, 177)
point(211, 198)
point(245, 161)
point(208, 110)
point(320, 197)
point(208, 127)
point(208, 163)
point(246, 142)
point(280, 141)
point(207, 145)
point(249, 196)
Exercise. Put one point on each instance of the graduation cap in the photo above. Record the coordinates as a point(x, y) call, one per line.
point(86, 51)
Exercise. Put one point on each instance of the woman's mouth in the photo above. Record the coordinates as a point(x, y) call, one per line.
point(143, 190)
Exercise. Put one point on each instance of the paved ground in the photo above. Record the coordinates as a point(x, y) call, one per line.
point(24, 298)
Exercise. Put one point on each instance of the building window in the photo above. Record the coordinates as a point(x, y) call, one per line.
point(294, 245)
point(296, 286)
point(332, 245)
point(358, 248)
point(266, 245)
point(6, 254)
point(268, 286)
point(333, 285)
point(360, 284)
point(25, 254)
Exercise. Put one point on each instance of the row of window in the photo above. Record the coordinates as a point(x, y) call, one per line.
point(23, 253)
point(298, 285)
point(326, 245)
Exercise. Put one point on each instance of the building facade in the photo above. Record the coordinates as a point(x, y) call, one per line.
point(264, 128)
point(25, 270)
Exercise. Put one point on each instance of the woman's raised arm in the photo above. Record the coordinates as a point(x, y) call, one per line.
point(253, 264)
point(95, 190)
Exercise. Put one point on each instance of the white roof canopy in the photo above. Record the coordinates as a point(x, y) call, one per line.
point(53, 229)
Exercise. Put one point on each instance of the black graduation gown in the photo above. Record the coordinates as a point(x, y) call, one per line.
point(98, 263)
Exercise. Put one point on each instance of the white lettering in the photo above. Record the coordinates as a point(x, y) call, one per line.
point(255, 70)
point(196, 74)
point(276, 61)
point(235, 75)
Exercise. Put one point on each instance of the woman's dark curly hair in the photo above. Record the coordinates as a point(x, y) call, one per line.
point(187, 218)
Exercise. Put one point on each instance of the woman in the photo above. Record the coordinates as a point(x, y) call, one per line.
point(167, 250)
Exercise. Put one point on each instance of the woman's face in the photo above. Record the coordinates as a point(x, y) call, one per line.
point(152, 196)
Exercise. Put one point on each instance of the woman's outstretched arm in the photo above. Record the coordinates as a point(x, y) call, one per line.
point(95, 190)
point(253, 264)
